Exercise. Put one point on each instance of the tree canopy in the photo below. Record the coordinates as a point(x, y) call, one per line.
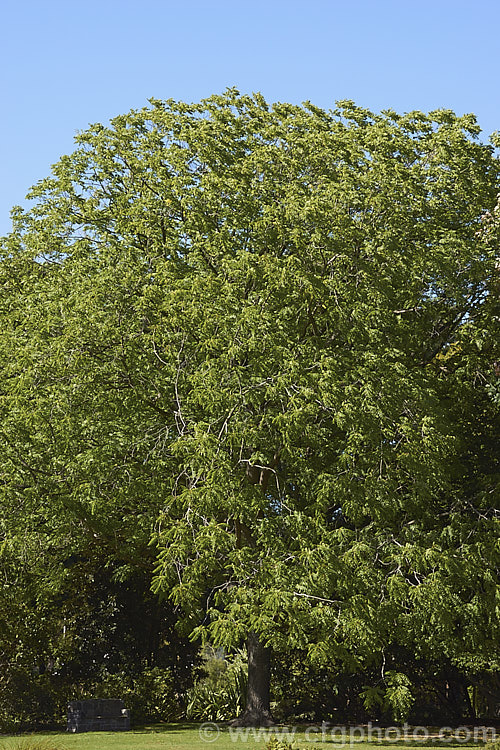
point(252, 350)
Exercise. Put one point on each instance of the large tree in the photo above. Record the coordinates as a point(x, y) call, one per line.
point(234, 340)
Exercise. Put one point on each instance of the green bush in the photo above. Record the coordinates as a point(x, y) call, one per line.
point(29, 701)
point(220, 693)
point(149, 695)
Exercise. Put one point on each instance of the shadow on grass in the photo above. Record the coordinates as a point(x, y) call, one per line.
point(181, 726)
point(184, 734)
point(304, 733)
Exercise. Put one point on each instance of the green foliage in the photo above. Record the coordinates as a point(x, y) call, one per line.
point(150, 695)
point(373, 696)
point(300, 692)
point(250, 351)
point(28, 700)
point(220, 693)
point(275, 744)
point(396, 696)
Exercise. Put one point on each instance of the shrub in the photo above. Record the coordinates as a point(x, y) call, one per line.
point(149, 695)
point(220, 694)
point(29, 701)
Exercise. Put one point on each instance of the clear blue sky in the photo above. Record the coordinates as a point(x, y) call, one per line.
point(67, 63)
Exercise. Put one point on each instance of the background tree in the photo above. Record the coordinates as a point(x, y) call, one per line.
point(235, 338)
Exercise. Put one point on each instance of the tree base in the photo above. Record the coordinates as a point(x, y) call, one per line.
point(253, 719)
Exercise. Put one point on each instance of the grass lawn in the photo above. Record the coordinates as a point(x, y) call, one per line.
point(193, 737)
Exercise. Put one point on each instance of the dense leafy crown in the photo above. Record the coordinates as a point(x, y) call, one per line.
point(254, 347)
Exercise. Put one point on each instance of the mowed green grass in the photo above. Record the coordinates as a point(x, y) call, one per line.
point(193, 737)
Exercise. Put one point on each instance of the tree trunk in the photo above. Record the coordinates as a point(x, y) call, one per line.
point(458, 702)
point(258, 711)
